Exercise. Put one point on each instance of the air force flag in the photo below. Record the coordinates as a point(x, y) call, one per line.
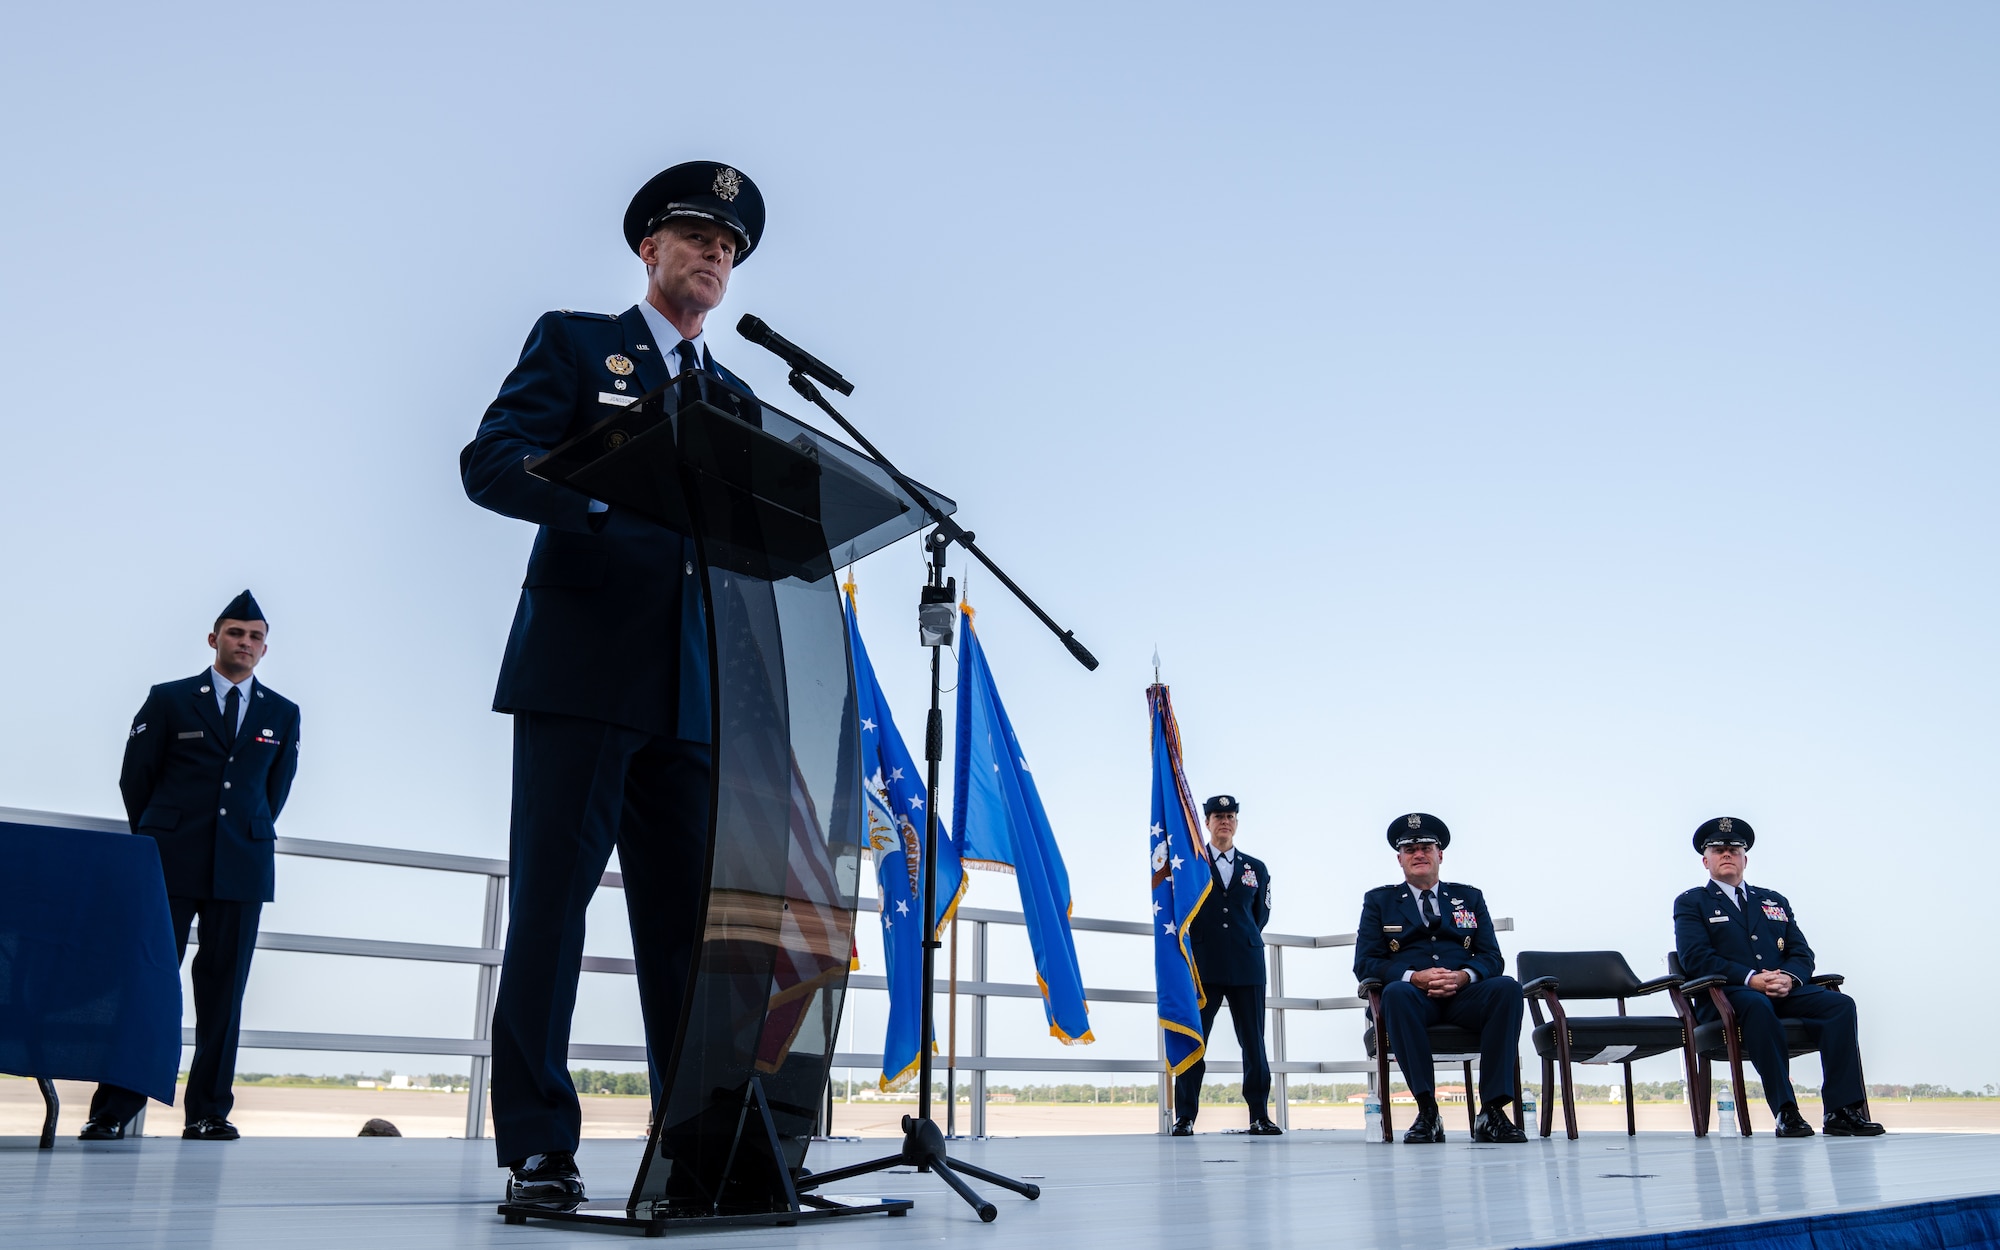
point(895, 814)
point(1178, 861)
point(998, 821)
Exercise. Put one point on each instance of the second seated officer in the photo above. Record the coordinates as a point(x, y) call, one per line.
point(1751, 935)
point(1431, 944)
point(605, 672)
point(1227, 937)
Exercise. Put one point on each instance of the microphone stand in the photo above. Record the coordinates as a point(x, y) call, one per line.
point(923, 1142)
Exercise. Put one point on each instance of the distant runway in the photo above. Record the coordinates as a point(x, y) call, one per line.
point(1307, 1188)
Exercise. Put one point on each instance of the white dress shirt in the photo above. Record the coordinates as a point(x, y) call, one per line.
point(667, 341)
point(222, 688)
point(1225, 866)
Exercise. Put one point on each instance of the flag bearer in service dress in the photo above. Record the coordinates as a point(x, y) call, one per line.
point(1227, 937)
point(1431, 945)
point(208, 766)
point(1751, 935)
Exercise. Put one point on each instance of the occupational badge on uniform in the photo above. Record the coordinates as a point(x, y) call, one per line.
point(619, 383)
point(1464, 918)
point(1458, 902)
point(728, 184)
point(620, 365)
point(1250, 877)
point(1774, 912)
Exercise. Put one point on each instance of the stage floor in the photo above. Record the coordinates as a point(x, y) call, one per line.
point(1308, 1188)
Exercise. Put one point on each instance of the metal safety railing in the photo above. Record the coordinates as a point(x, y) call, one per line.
point(977, 1062)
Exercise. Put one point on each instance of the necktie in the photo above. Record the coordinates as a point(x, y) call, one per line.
point(1742, 903)
point(230, 704)
point(1430, 908)
point(690, 390)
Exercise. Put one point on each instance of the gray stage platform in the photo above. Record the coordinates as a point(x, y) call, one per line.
point(1325, 1188)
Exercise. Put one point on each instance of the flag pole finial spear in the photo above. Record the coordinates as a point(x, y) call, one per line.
point(1156, 664)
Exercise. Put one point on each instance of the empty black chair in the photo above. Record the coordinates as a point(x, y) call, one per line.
point(1722, 1038)
point(1449, 1044)
point(1557, 977)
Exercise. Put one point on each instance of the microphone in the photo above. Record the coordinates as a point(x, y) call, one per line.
point(801, 361)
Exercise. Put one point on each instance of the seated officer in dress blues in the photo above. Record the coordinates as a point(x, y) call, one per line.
point(606, 670)
point(1431, 945)
point(1751, 935)
point(208, 766)
point(1227, 937)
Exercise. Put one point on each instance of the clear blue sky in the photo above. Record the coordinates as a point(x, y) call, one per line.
point(1571, 421)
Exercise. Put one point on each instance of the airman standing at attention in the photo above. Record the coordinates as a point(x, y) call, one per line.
point(208, 766)
point(1227, 938)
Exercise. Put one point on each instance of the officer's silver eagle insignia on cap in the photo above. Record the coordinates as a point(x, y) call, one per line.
point(619, 365)
point(727, 183)
point(1726, 825)
point(1416, 822)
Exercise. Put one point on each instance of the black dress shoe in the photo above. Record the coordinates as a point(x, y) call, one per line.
point(1429, 1127)
point(102, 1128)
point(1183, 1128)
point(1495, 1125)
point(546, 1180)
point(1261, 1127)
point(211, 1128)
point(1791, 1123)
point(1849, 1122)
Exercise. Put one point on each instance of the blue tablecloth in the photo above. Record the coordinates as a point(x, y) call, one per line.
point(90, 986)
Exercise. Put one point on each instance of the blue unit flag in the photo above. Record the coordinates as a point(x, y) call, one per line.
point(1181, 882)
point(895, 815)
point(998, 822)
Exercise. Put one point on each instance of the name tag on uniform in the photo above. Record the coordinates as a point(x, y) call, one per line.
point(1392, 928)
point(612, 397)
point(1718, 920)
point(193, 733)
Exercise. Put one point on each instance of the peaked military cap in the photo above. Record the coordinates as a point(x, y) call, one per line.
point(1418, 827)
point(1221, 805)
point(243, 608)
point(702, 189)
point(1725, 831)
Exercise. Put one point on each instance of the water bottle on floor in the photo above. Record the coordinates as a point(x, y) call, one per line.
point(1371, 1116)
point(1725, 1112)
point(1528, 1117)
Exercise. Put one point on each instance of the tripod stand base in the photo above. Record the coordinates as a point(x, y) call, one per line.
point(613, 1216)
point(924, 1149)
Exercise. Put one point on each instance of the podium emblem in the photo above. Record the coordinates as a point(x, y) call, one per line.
point(619, 365)
point(728, 184)
point(614, 440)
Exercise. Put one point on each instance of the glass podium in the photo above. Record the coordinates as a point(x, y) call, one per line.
point(774, 507)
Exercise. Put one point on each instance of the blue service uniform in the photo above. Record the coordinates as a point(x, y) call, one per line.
point(1712, 935)
point(210, 798)
point(606, 675)
point(1393, 938)
point(1227, 939)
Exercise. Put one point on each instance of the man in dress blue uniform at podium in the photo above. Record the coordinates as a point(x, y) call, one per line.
point(1751, 935)
point(1227, 938)
point(208, 766)
point(605, 672)
point(1431, 944)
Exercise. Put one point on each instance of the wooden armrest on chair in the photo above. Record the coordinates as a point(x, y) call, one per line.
point(1540, 986)
point(1654, 986)
point(1831, 980)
